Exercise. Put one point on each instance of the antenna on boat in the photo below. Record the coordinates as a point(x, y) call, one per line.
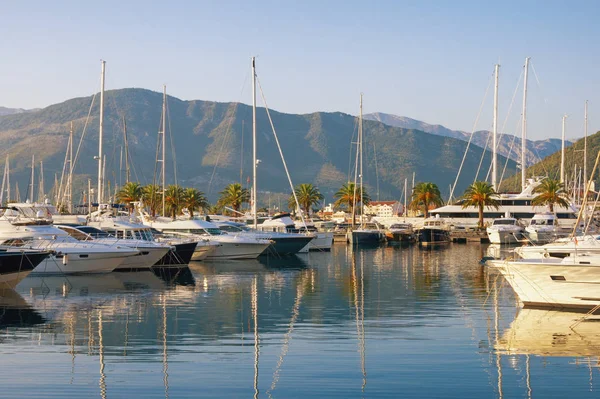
point(494, 133)
point(524, 127)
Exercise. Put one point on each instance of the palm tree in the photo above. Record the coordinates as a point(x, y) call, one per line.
point(151, 195)
point(234, 196)
point(551, 192)
point(173, 199)
point(194, 199)
point(130, 193)
point(347, 195)
point(424, 196)
point(480, 194)
point(308, 195)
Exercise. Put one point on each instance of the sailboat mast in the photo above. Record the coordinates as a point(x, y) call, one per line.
point(164, 125)
point(31, 197)
point(126, 150)
point(562, 151)
point(585, 145)
point(100, 135)
point(70, 179)
point(524, 126)
point(495, 132)
point(405, 193)
point(8, 199)
point(41, 185)
point(360, 144)
point(254, 141)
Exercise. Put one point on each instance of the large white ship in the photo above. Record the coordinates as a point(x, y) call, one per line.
point(516, 205)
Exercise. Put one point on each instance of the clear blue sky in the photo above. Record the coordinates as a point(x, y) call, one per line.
point(429, 60)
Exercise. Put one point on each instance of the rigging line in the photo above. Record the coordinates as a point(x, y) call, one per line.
point(538, 81)
point(262, 94)
point(503, 130)
point(158, 148)
point(172, 140)
point(471, 137)
point(225, 140)
point(228, 131)
point(83, 132)
point(354, 131)
point(509, 153)
point(487, 144)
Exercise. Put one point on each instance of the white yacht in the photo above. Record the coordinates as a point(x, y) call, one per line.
point(25, 226)
point(149, 252)
point(283, 243)
point(543, 228)
point(518, 205)
point(128, 228)
point(231, 247)
point(571, 282)
point(506, 231)
point(322, 239)
point(561, 248)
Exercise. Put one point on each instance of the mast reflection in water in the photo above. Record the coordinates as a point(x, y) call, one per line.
point(385, 321)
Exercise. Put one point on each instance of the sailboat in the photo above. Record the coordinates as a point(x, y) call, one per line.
point(364, 234)
point(280, 229)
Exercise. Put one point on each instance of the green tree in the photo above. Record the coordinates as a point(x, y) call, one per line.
point(349, 195)
point(308, 195)
point(194, 199)
point(424, 196)
point(234, 195)
point(480, 194)
point(551, 192)
point(152, 197)
point(129, 193)
point(173, 199)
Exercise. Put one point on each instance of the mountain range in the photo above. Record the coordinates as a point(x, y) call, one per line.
point(508, 145)
point(210, 143)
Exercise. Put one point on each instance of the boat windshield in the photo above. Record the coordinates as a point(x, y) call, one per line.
point(504, 222)
point(230, 229)
point(540, 222)
point(211, 231)
point(94, 232)
point(140, 234)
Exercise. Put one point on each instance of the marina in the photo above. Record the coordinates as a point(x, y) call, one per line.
point(259, 328)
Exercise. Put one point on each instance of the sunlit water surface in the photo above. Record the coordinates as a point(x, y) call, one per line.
point(379, 322)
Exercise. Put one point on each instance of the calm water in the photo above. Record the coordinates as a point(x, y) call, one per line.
point(381, 322)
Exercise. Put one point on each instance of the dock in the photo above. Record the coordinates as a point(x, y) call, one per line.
point(471, 235)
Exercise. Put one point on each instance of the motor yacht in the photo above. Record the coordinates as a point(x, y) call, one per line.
point(506, 230)
point(24, 226)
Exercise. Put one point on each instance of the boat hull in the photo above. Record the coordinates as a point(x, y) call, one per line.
point(94, 263)
point(146, 258)
point(203, 250)
point(180, 255)
point(367, 237)
point(549, 283)
point(232, 250)
point(505, 237)
point(433, 236)
point(289, 245)
point(15, 266)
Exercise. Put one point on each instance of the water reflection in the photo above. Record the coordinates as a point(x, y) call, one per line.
point(355, 322)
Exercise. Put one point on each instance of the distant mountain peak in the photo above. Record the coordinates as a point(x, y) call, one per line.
point(536, 149)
